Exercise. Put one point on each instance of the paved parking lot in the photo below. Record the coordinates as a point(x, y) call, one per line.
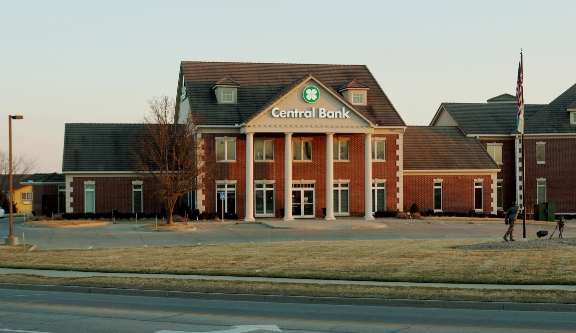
point(128, 235)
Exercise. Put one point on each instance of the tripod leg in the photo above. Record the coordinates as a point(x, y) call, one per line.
point(553, 232)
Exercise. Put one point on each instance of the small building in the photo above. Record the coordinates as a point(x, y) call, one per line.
point(21, 194)
point(49, 191)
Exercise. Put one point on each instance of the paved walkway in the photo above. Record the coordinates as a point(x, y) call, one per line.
point(74, 274)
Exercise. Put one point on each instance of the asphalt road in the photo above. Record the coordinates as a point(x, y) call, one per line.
point(128, 235)
point(57, 312)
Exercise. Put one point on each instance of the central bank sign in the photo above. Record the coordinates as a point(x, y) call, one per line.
point(311, 94)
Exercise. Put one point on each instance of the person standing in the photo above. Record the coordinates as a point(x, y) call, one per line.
point(511, 215)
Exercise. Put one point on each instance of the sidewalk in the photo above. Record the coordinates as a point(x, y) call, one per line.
point(72, 274)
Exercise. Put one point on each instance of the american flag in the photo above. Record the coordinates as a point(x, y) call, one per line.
point(520, 97)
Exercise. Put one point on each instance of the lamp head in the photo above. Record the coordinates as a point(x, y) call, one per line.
point(17, 117)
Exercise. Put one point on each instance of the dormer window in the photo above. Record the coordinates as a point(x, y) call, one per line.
point(354, 92)
point(572, 111)
point(358, 98)
point(226, 91)
point(227, 96)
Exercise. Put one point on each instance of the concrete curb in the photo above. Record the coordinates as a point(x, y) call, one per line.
point(506, 306)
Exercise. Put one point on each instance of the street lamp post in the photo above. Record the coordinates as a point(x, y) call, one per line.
point(11, 240)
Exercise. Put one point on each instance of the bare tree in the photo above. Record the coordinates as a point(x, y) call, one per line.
point(22, 166)
point(171, 154)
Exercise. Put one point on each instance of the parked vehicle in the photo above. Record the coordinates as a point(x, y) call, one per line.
point(1, 213)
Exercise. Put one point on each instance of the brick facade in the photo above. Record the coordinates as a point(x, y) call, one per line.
point(457, 192)
point(560, 155)
point(113, 193)
point(43, 190)
point(353, 169)
point(507, 169)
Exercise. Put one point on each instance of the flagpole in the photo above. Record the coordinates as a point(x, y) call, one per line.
point(523, 150)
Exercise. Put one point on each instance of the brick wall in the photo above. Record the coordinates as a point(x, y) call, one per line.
point(40, 190)
point(113, 193)
point(558, 171)
point(507, 170)
point(314, 170)
point(457, 192)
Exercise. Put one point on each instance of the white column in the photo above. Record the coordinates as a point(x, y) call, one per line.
point(288, 177)
point(368, 177)
point(329, 177)
point(249, 177)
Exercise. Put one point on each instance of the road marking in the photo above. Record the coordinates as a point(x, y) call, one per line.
point(90, 248)
point(252, 242)
point(403, 237)
point(199, 243)
point(9, 330)
point(352, 238)
point(145, 245)
point(235, 329)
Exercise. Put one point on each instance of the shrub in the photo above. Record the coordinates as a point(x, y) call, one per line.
point(416, 215)
point(58, 217)
point(402, 215)
point(386, 213)
point(414, 209)
point(47, 212)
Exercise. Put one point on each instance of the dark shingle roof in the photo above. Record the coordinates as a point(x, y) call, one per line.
point(443, 148)
point(554, 118)
point(261, 82)
point(100, 147)
point(572, 106)
point(45, 178)
point(488, 118)
point(503, 99)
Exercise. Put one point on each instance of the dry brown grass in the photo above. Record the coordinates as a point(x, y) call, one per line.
point(430, 260)
point(304, 289)
point(22, 247)
point(65, 223)
point(182, 226)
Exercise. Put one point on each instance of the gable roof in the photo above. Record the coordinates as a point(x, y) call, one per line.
point(260, 83)
point(45, 179)
point(443, 148)
point(100, 147)
point(504, 98)
point(354, 84)
point(554, 118)
point(487, 118)
point(572, 106)
point(225, 81)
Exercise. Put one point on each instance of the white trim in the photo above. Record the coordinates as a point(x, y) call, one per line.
point(226, 181)
point(265, 181)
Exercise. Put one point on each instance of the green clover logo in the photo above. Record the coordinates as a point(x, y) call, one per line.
point(311, 94)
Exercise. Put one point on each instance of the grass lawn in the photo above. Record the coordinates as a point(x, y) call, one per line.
point(430, 260)
point(305, 289)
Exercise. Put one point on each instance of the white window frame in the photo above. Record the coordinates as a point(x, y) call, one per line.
point(479, 184)
point(573, 117)
point(491, 148)
point(138, 188)
point(228, 187)
point(540, 186)
point(336, 144)
point(264, 152)
point(377, 184)
point(26, 196)
point(360, 95)
point(338, 188)
point(227, 93)
point(264, 186)
point(541, 145)
point(302, 143)
point(90, 188)
point(438, 184)
point(375, 142)
point(500, 189)
point(226, 141)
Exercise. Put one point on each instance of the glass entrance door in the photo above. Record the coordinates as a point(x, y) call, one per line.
point(303, 201)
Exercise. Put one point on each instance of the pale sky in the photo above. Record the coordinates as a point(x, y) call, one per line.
point(100, 61)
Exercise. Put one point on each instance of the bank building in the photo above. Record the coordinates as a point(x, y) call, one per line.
point(290, 141)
